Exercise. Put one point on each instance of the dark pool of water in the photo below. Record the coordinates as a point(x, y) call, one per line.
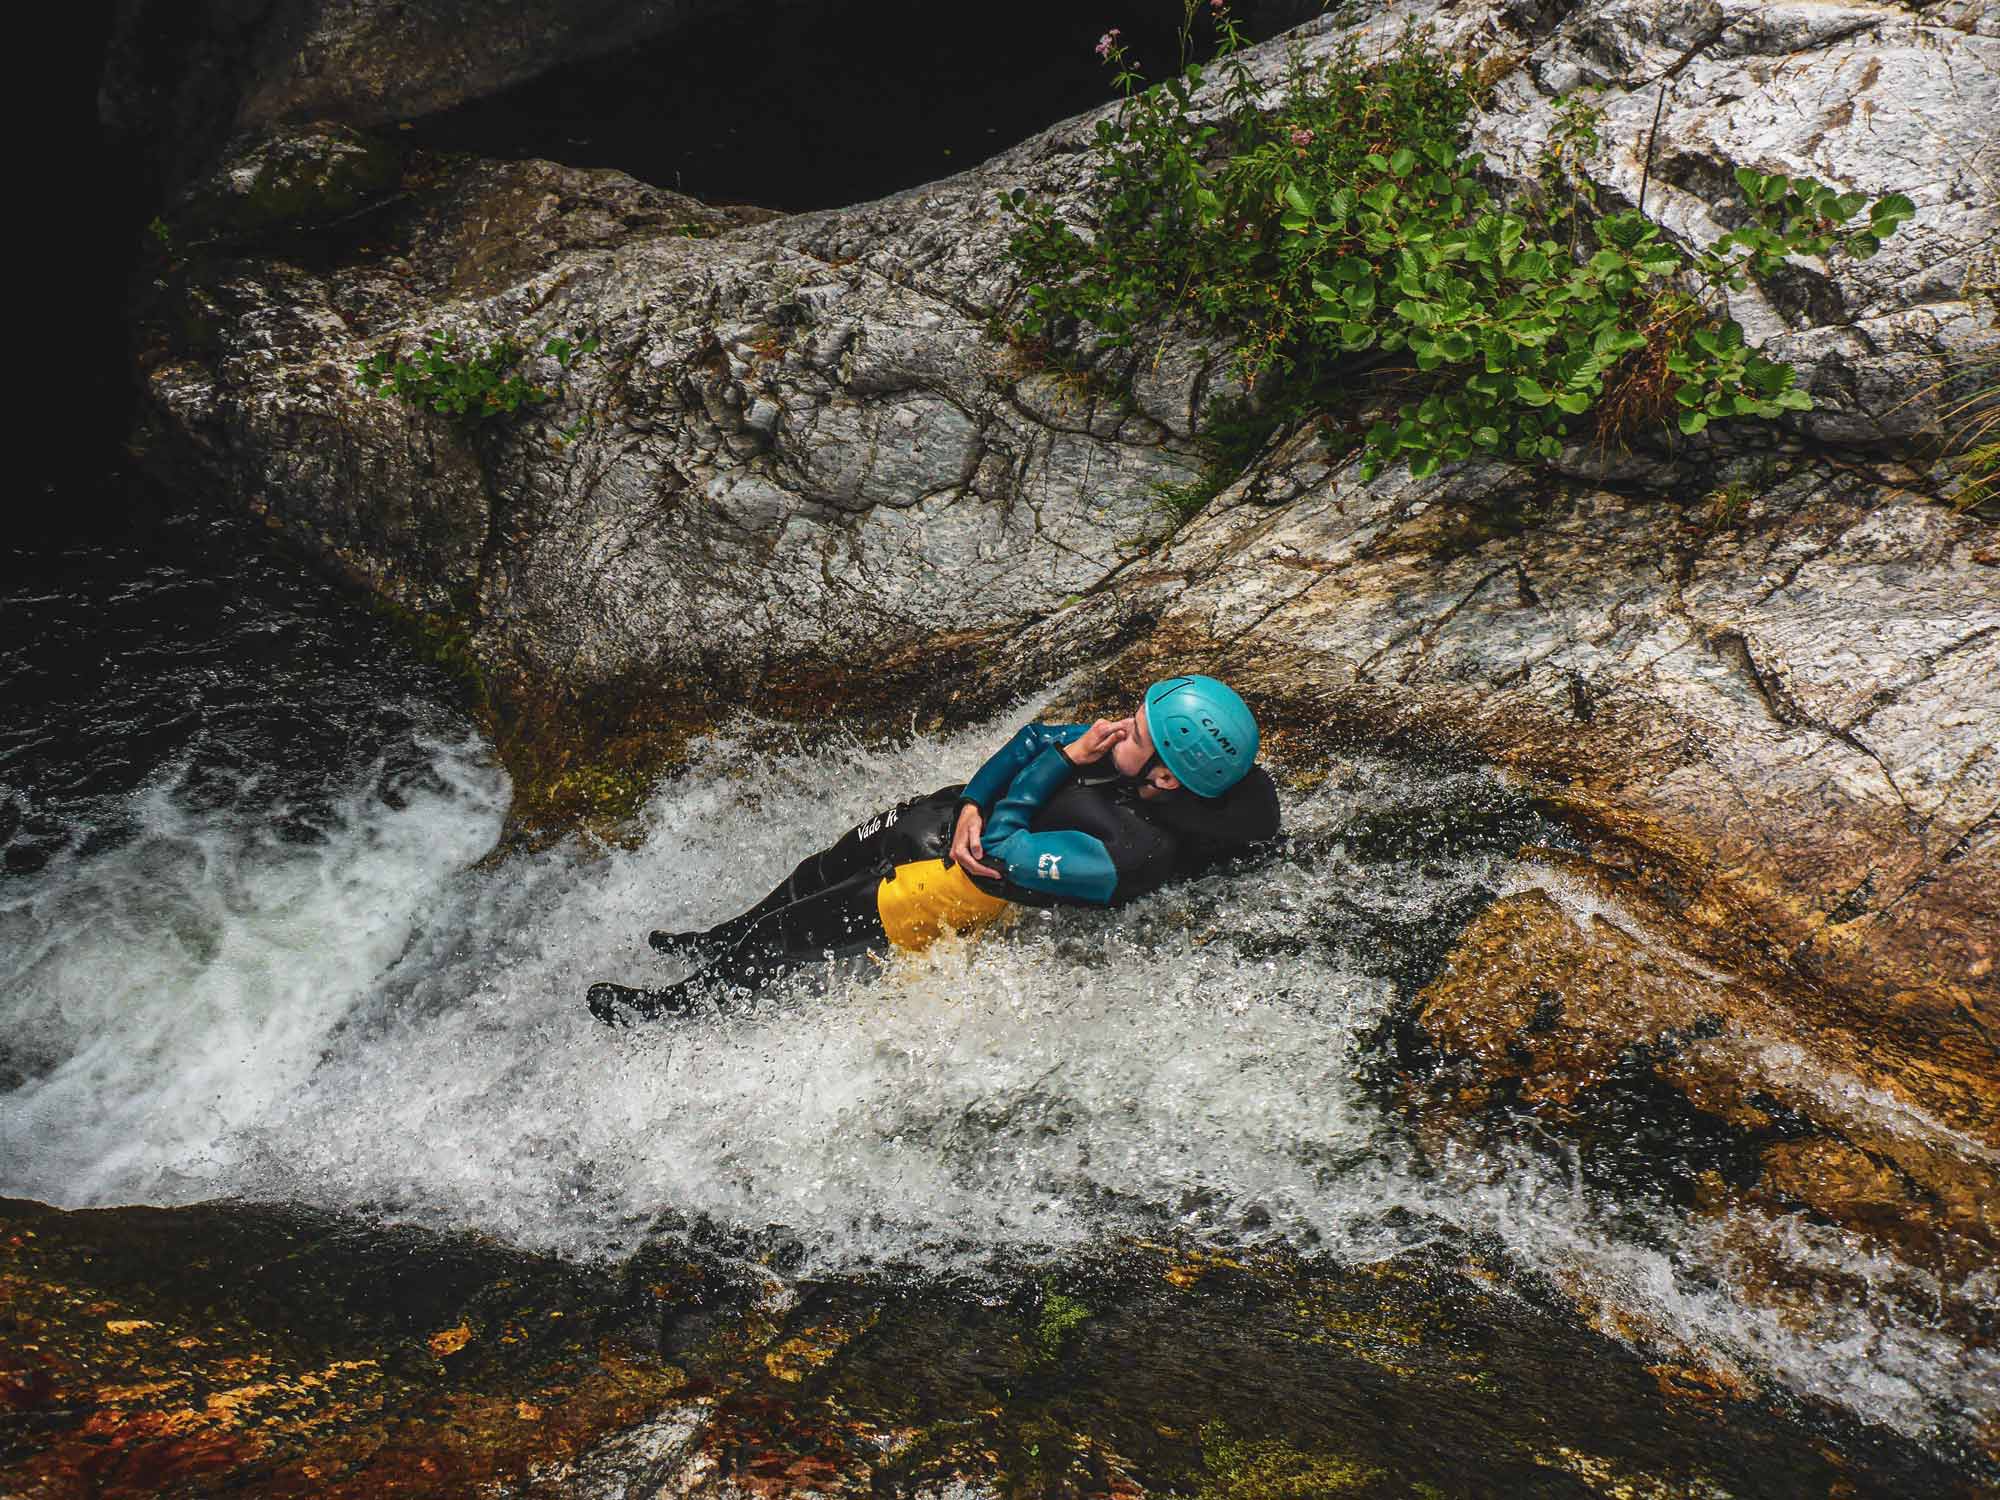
point(152, 634)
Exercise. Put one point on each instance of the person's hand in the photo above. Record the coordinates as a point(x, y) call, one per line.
point(966, 851)
point(1095, 742)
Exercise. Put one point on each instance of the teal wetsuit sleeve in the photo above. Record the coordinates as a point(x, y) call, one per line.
point(986, 788)
point(1062, 862)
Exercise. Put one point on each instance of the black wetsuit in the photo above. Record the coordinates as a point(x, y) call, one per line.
point(1118, 846)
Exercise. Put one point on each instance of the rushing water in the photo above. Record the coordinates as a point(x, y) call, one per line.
point(249, 947)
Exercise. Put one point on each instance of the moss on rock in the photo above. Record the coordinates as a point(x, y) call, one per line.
point(293, 179)
point(268, 1352)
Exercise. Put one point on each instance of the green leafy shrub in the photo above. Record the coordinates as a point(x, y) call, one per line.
point(471, 384)
point(1346, 232)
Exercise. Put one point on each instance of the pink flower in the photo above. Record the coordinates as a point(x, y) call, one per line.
point(1108, 43)
point(1302, 137)
point(1218, 6)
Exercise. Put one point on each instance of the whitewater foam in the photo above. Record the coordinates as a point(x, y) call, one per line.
point(378, 1022)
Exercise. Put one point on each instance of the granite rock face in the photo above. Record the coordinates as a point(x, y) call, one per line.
point(802, 437)
point(1760, 671)
point(778, 452)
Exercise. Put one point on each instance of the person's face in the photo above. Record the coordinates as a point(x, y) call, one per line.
point(1131, 754)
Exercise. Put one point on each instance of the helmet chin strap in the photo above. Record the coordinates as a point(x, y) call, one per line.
point(1143, 775)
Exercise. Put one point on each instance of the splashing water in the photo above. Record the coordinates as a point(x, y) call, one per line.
point(369, 1021)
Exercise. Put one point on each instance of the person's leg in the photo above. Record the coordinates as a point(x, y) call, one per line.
point(876, 845)
point(841, 920)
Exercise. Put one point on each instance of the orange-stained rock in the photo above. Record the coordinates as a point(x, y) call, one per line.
point(1569, 992)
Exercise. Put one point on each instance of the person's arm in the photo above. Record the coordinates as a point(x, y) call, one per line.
point(992, 780)
point(968, 849)
point(1072, 865)
point(1065, 863)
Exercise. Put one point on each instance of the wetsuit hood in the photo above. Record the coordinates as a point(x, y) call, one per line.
point(1245, 814)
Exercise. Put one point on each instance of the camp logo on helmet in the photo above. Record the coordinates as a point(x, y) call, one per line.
point(1215, 733)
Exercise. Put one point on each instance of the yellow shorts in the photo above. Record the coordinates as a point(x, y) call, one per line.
point(921, 902)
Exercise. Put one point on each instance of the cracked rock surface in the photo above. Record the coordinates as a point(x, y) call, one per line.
point(1794, 714)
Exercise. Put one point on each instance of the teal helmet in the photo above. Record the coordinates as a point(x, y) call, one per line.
point(1203, 732)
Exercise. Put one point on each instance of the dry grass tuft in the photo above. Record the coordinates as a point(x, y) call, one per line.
point(1972, 441)
point(1639, 391)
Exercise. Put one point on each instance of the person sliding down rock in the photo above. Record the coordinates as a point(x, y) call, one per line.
point(1063, 814)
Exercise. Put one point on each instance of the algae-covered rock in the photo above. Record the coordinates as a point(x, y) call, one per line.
point(256, 1352)
point(1562, 1001)
point(287, 1353)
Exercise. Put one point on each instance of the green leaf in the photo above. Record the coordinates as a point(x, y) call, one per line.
point(1380, 197)
point(1301, 204)
point(1424, 465)
point(1529, 265)
point(1693, 422)
point(1573, 402)
point(1864, 246)
point(1353, 268)
point(1401, 162)
point(1768, 376)
point(1889, 212)
point(1530, 390)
